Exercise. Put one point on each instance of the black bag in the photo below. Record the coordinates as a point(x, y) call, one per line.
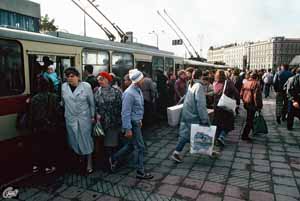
point(259, 124)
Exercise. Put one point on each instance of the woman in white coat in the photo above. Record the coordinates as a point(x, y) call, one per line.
point(79, 106)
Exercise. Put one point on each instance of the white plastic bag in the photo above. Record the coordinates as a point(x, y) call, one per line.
point(202, 139)
point(174, 113)
point(226, 102)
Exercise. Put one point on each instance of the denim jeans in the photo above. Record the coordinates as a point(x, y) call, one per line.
point(181, 143)
point(221, 133)
point(267, 90)
point(136, 143)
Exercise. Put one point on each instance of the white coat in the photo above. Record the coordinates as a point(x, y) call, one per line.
point(79, 109)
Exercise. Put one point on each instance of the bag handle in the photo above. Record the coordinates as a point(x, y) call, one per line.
point(224, 86)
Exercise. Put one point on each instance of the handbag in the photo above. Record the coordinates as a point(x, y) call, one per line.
point(259, 124)
point(202, 139)
point(174, 114)
point(225, 102)
point(98, 130)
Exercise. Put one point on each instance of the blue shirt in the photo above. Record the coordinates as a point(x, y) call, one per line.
point(132, 106)
point(53, 77)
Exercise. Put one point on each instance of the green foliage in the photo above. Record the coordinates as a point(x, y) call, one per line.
point(47, 24)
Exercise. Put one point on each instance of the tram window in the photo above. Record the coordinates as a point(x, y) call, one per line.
point(169, 65)
point(11, 68)
point(157, 63)
point(121, 63)
point(99, 59)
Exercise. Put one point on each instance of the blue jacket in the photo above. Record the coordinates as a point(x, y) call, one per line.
point(280, 79)
point(132, 106)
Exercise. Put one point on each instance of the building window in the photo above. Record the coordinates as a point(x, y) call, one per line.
point(11, 68)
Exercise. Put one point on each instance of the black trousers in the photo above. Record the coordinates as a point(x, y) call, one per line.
point(249, 122)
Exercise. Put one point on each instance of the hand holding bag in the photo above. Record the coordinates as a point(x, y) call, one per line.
point(259, 124)
point(98, 130)
point(225, 102)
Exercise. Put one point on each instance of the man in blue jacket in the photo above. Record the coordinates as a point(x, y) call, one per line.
point(280, 79)
point(132, 116)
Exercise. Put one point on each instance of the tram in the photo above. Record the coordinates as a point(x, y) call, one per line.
point(21, 52)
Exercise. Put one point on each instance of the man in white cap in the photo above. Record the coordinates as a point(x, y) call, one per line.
point(132, 115)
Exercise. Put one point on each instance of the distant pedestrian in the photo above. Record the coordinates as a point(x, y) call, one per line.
point(180, 86)
point(252, 99)
point(132, 116)
point(79, 106)
point(90, 77)
point(268, 80)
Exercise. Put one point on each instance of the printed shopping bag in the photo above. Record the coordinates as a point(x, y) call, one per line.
point(98, 130)
point(202, 139)
point(259, 124)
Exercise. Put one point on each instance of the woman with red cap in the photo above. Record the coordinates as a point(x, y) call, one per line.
point(108, 102)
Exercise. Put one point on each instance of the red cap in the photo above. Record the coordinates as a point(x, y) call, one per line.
point(106, 75)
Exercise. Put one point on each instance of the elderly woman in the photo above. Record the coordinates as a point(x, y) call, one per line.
point(79, 106)
point(223, 119)
point(194, 111)
point(108, 101)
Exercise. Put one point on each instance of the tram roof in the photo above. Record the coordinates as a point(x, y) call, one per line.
point(80, 41)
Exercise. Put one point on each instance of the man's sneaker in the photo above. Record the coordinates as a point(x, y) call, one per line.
point(176, 157)
point(140, 175)
point(35, 169)
point(50, 170)
point(112, 164)
point(221, 140)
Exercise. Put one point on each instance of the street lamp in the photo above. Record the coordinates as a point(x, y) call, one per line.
point(84, 19)
point(153, 32)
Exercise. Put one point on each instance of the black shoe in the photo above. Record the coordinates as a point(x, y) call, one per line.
point(283, 118)
point(175, 157)
point(278, 120)
point(140, 175)
point(50, 170)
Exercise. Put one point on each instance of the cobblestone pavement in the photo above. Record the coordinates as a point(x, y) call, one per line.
point(267, 170)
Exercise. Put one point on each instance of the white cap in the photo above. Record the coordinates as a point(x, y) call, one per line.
point(52, 66)
point(135, 75)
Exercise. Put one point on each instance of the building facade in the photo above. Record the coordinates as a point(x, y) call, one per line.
point(257, 55)
point(20, 14)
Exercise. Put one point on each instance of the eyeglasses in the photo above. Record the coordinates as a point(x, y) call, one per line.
point(70, 76)
point(100, 78)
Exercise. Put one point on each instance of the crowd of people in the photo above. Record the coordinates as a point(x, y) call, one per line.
point(124, 108)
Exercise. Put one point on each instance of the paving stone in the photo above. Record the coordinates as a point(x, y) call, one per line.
point(242, 160)
point(179, 172)
point(209, 197)
point(27, 193)
point(41, 196)
point(260, 196)
point(240, 166)
point(261, 176)
point(285, 198)
point(137, 195)
point(236, 192)
point(238, 181)
point(297, 173)
point(240, 173)
point(260, 168)
point(58, 198)
point(286, 190)
point(171, 179)
point(158, 197)
point(167, 189)
point(289, 181)
point(213, 187)
point(72, 192)
point(187, 193)
point(197, 175)
point(260, 185)
point(198, 167)
point(89, 196)
point(219, 178)
point(227, 198)
point(282, 172)
point(114, 178)
point(102, 186)
point(192, 183)
point(118, 191)
point(148, 186)
point(223, 163)
point(220, 170)
point(157, 176)
point(277, 158)
point(128, 181)
point(261, 162)
point(280, 165)
point(108, 198)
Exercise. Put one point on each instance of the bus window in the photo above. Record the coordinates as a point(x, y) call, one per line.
point(121, 63)
point(169, 65)
point(157, 63)
point(11, 68)
point(99, 59)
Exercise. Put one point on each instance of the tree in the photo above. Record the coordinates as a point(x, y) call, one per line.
point(47, 25)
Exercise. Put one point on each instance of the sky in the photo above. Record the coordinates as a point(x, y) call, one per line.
point(205, 22)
